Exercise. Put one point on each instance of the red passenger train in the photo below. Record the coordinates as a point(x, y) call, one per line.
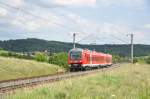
point(82, 59)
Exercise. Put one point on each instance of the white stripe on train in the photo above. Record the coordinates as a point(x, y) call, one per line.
point(93, 65)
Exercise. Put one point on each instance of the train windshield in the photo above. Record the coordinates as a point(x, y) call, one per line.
point(75, 55)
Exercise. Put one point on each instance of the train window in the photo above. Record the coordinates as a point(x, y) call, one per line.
point(76, 55)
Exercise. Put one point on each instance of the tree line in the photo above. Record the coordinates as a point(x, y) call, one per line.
point(34, 45)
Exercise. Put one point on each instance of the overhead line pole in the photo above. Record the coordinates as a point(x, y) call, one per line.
point(132, 47)
point(74, 38)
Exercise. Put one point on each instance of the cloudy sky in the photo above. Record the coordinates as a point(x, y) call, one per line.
point(94, 21)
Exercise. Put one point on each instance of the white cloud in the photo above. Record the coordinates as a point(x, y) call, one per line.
point(30, 20)
point(76, 2)
point(3, 12)
point(129, 3)
point(147, 26)
point(113, 28)
point(32, 23)
point(9, 4)
point(26, 24)
point(14, 3)
point(90, 29)
point(106, 27)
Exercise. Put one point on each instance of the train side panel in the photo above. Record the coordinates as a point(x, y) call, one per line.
point(86, 58)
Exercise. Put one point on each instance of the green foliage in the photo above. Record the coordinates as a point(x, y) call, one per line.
point(117, 59)
point(15, 55)
point(32, 45)
point(3, 53)
point(41, 57)
point(135, 60)
point(148, 60)
point(60, 59)
point(1, 48)
point(140, 60)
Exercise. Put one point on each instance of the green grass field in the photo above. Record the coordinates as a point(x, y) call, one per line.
point(126, 82)
point(11, 68)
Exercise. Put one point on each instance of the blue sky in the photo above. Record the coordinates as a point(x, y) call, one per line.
point(94, 21)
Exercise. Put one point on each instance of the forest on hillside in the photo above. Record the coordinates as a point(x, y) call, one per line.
point(32, 45)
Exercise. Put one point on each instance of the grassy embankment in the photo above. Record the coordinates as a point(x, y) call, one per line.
point(126, 82)
point(11, 68)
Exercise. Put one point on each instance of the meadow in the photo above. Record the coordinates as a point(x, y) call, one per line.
point(12, 68)
point(126, 82)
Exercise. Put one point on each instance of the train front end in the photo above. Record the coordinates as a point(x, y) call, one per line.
point(75, 59)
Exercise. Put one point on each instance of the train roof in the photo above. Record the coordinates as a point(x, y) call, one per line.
point(94, 52)
point(76, 49)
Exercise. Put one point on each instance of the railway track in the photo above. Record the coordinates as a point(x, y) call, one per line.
point(11, 85)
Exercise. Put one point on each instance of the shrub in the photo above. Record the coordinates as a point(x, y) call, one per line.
point(15, 55)
point(135, 60)
point(41, 57)
point(60, 59)
point(116, 58)
point(141, 60)
point(148, 60)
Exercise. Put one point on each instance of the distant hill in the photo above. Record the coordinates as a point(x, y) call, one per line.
point(32, 44)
